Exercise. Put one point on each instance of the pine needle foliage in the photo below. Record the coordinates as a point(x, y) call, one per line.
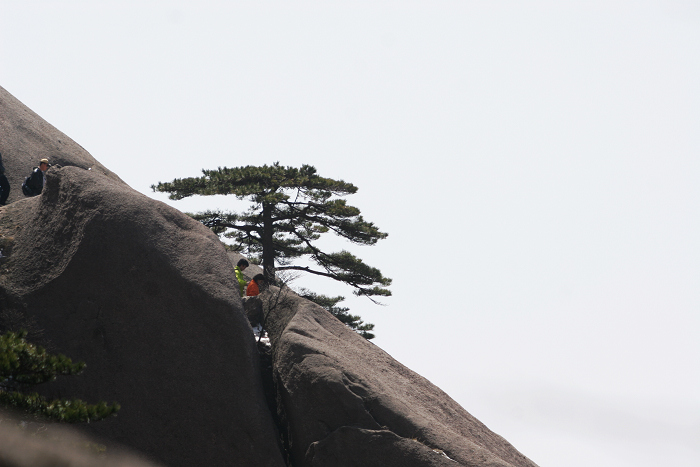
point(354, 322)
point(291, 208)
point(23, 365)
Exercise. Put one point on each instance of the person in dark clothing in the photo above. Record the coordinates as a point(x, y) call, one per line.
point(4, 184)
point(34, 184)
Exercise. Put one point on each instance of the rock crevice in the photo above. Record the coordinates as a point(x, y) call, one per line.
point(147, 297)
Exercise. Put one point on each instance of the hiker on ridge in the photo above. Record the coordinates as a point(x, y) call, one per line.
point(4, 184)
point(34, 184)
point(240, 267)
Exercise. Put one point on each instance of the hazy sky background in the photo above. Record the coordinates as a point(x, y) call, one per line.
point(536, 165)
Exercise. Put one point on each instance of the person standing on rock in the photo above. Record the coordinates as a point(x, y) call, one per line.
point(34, 184)
point(240, 267)
point(254, 285)
point(4, 184)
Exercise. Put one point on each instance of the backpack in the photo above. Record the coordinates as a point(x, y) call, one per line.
point(25, 187)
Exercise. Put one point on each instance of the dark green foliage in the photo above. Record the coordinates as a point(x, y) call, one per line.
point(329, 303)
point(292, 207)
point(23, 364)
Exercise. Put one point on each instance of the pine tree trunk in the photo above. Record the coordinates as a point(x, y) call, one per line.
point(268, 256)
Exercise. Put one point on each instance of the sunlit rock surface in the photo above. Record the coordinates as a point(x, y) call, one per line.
point(349, 403)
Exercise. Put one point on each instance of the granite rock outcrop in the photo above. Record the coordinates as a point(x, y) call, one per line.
point(147, 297)
point(346, 402)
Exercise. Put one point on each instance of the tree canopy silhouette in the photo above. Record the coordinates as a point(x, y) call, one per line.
point(291, 209)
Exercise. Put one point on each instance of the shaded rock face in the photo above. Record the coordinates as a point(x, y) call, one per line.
point(147, 298)
point(348, 403)
point(254, 310)
point(142, 293)
point(27, 138)
point(38, 445)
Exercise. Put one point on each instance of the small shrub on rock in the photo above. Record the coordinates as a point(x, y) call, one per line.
point(23, 365)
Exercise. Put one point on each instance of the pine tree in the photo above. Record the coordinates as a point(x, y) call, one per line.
point(291, 209)
point(23, 365)
point(354, 322)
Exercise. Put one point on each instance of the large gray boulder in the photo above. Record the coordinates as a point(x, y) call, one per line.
point(348, 403)
point(146, 296)
point(142, 293)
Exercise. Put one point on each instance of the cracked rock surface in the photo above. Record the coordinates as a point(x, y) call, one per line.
point(349, 403)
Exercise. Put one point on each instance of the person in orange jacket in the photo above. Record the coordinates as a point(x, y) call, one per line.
point(254, 285)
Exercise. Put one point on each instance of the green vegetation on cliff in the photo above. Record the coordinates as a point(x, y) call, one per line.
point(292, 208)
point(23, 365)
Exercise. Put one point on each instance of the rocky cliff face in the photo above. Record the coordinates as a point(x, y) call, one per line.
point(349, 403)
point(147, 297)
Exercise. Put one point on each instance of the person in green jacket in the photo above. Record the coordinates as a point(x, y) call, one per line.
point(242, 282)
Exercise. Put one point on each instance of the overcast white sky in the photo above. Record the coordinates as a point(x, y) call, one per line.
point(536, 165)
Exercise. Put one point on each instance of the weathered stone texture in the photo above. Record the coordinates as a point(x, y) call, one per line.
point(146, 297)
point(341, 395)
